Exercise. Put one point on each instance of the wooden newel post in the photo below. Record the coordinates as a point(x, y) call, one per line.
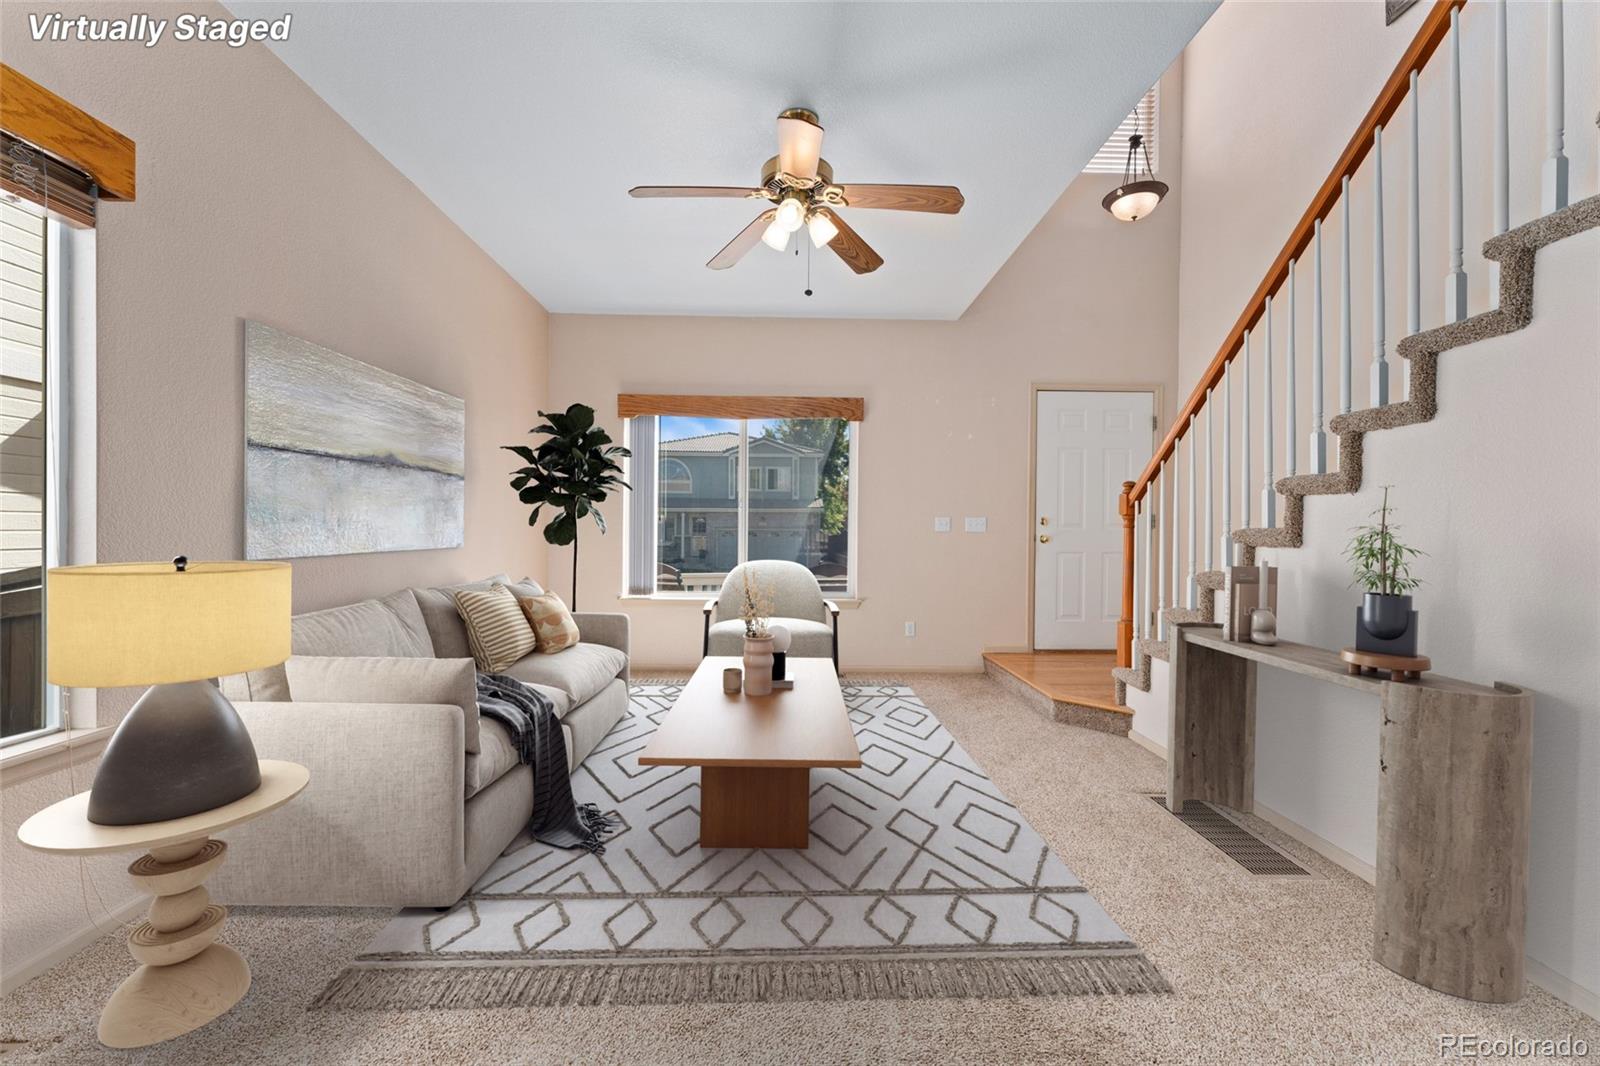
point(1125, 625)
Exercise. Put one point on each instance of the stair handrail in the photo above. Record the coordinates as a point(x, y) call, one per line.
point(1434, 30)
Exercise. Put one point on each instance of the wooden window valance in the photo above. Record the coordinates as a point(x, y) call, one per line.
point(57, 155)
point(636, 404)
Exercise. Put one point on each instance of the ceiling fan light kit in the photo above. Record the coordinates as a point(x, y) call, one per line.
point(799, 183)
point(1135, 197)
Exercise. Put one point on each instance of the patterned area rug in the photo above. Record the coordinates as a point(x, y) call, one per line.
point(921, 880)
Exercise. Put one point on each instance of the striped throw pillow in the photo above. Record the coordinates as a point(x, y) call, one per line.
point(497, 630)
point(553, 624)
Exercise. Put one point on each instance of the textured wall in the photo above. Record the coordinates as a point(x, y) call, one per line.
point(257, 201)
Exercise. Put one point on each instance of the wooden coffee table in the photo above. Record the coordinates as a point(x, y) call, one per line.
point(755, 753)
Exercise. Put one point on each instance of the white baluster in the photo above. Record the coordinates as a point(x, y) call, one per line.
point(1205, 534)
point(1161, 553)
point(1244, 436)
point(1344, 302)
point(1226, 544)
point(1269, 496)
point(1319, 436)
point(1502, 143)
point(1190, 585)
point(1143, 572)
point(1553, 190)
point(1455, 282)
point(1379, 378)
point(1288, 387)
point(1177, 544)
point(1413, 242)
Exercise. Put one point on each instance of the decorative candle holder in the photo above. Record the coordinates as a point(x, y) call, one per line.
point(732, 680)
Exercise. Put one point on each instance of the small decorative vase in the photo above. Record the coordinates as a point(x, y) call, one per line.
point(757, 666)
point(732, 680)
point(1263, 626)
point(781, 639)
point(1384, 616)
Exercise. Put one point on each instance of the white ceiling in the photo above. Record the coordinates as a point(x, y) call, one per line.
point(528, 122)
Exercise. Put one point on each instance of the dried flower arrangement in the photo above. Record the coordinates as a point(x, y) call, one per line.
point(755, 607)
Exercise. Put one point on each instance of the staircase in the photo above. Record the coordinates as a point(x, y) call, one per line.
point(1516, 252)
point(1157, 589)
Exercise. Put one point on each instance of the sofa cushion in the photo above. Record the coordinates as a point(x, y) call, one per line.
point(446, 631)
point(497, 630)
point(492, 760)
point(374, 679)
point(812, 640)
point(391, 627)
point(579, 672)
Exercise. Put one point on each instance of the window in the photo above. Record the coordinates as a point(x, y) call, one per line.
point(31, 464)
point(1113, 155)
point(675, 477)
point(794, 501)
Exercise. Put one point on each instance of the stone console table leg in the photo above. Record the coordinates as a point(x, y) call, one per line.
point(185, 978)
point(1454, 793)
point(1211, 728)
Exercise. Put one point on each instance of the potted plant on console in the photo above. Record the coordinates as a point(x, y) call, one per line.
point(1385, 622)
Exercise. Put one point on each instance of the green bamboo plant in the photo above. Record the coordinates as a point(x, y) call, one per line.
point(572, 471)
point(1381, 561)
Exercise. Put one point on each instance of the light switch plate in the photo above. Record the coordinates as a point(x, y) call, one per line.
point(911, 629)
point(941, 524)
point(977, 525)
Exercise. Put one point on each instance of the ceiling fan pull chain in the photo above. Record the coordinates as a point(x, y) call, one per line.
point(808, 266)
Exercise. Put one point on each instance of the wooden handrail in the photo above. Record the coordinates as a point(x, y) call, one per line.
point(1435, 28)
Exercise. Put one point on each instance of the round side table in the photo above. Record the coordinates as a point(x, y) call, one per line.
point(185, 978)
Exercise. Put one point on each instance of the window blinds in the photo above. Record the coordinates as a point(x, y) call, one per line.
point(30, 174)
point(1113, 155)
point(642, 503)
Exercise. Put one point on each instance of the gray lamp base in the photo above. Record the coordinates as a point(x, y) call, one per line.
point(180, 751)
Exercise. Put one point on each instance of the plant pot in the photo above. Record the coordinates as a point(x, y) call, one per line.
point(1385, 616)
point(757, 666)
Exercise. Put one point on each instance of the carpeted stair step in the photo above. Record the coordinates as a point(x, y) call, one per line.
point(1152, 648)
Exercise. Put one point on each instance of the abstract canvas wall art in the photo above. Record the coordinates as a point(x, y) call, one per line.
point(342, 457)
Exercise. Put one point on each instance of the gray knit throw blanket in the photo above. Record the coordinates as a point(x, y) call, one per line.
point(531, 720)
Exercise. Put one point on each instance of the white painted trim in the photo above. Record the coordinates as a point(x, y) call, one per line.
point(1565, 989)
point(47, 754)
point(1154, 748)
point(1321, 845)
point(51, 957)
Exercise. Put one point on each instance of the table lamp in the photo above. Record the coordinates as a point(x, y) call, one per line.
point(173, 626)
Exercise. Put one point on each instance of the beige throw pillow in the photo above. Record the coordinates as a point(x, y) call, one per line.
point(497, 630)
point(375, 679)
point(553, 625)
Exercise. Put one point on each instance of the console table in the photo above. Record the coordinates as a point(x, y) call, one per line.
point(1454, 793)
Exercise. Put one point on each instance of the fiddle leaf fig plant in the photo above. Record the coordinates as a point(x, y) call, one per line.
point(571, 471)
point(1380, 559)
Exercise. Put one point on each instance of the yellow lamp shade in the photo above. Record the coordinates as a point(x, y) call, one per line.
point(150, 624)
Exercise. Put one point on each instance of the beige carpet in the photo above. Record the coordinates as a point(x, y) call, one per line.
point(1265, 971)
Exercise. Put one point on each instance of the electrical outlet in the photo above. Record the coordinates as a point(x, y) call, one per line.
point(941, 523)
point(911, 629)
point(977, 525)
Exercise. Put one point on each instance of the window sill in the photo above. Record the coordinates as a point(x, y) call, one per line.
point(47, 754)
point(698, 599)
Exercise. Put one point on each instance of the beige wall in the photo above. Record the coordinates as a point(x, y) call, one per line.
point(257, 201)
point(1085, 300)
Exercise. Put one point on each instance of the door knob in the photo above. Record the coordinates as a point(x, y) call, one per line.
point(1044, 538)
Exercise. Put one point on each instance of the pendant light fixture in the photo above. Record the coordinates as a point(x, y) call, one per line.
point(1135, 198)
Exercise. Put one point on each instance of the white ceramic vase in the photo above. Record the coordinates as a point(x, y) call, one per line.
point(757, 666)
point(1263, 627)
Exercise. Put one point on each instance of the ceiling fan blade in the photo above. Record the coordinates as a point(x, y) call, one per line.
point(747, 239)
point(650, 192)
point(799, 143)
point(940, 199)
point(848, 245)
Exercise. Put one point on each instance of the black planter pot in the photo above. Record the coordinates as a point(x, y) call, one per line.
point(1385, 617)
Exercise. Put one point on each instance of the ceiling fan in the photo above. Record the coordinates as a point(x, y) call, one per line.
point(799, 184)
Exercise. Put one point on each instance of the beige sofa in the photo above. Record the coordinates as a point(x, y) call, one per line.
point(409, 802)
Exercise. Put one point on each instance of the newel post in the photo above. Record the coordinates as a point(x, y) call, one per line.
point(1125, 624)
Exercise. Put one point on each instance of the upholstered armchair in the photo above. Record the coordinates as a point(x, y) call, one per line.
point(797, 603)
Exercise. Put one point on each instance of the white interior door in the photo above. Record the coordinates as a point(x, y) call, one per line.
point(1089, 443)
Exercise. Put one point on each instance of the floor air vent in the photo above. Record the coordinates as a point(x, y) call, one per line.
point(1235, 841)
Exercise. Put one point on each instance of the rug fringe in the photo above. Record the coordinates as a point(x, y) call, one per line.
point(477, 987)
